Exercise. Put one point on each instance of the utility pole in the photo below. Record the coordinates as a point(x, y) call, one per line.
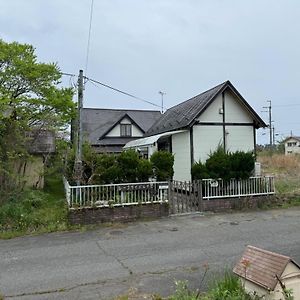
point(270, 120)
point(78, 157)
point(162, 101)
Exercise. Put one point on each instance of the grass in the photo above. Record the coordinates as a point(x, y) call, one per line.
point(285, 168)
point(34, 211)
point(228, 287)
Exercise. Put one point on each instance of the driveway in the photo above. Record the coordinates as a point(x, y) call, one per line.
point(144, 256)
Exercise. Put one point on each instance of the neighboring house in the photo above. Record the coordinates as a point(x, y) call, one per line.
point(265, 273)
point(292, 145)
point(194, 128)
point(108, 130)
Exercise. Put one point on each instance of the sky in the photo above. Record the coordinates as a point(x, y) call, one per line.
point(179, 47)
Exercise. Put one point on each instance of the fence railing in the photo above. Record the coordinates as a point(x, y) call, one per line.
point(254, 186)
point(110, 195)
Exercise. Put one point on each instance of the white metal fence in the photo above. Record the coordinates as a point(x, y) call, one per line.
point(254, 186)
point(109, 195)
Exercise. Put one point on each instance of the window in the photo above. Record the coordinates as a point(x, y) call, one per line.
point(291, 144)
point(126, 129)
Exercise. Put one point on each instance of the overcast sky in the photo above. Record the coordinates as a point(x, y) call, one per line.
point(182, 47)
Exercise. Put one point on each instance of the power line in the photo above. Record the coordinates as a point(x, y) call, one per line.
point(89, 37)
point(122, 92)
point(93, 81)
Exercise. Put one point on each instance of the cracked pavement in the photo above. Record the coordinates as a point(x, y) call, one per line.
point(145, 256)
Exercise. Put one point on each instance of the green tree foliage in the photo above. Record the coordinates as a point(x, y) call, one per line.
point(30, 98)
point(122, 168)
point(162, 162)
point(225, 165)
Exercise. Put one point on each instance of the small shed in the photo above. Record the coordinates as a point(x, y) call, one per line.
point(267, 273)
point(40, 144)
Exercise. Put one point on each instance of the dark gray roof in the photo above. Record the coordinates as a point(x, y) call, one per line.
point(183, 114)
point(40, 141)
point(115, 140)
point(97, 122)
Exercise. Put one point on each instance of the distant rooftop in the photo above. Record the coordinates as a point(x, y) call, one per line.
point(99, 121)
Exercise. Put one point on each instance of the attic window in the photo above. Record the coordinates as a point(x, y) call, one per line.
point(126, 129)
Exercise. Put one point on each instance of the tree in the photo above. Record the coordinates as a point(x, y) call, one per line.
point(30, 98)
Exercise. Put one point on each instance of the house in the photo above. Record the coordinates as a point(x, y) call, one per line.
point(267, 273)
point(292, 145)
point(194, 128)
point(108, 130)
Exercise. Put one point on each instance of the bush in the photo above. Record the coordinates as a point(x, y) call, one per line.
point(145, 170)
point(128, 162)
point(242, 164)
point(218, 164)
point(162, 162)
point(225, 165)
point(122, 168)
point(199, 171)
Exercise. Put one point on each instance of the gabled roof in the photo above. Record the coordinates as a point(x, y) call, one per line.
point(98, 122)
point(292, 137)
point(261, 267)
point(184, 114)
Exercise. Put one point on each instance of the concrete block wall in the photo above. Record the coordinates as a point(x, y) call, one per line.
point(96, 215)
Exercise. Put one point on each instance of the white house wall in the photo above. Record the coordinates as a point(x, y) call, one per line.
point(239, 138)
point(292, 149)
point(235, 112)
point(182, 156)
point(211, 114)
point(116, 131)
point(291, 278)
point(206, 139)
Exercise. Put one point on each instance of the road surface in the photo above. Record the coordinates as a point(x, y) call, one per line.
point(144, 256)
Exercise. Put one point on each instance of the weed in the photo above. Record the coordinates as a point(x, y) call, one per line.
point(182, 292)
point(34, 211)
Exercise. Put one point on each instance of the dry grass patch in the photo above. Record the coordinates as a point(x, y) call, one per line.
point(280, 164)
point(285, 168)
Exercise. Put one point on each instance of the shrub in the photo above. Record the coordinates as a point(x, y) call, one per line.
point(128, 162)
point(162, 162)
point(218, 164)
point(105, 170)
point(242, 164)
point(199, 171)
point(225, 165)
point(145, 170)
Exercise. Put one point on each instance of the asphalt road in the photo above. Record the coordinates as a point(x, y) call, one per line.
point(144, 256)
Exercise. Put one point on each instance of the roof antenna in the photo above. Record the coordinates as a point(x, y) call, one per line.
point(162, 100)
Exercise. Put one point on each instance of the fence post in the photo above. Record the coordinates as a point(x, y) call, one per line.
point(170, 196)
point(200, 196)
